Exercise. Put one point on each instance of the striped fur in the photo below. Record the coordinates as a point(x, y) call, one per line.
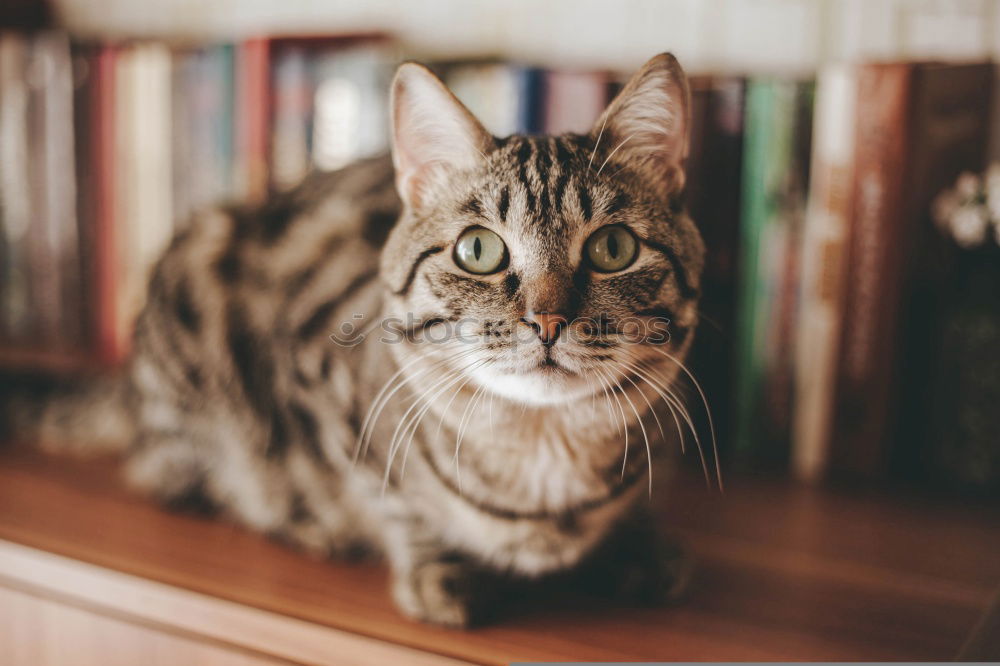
point(452, 457)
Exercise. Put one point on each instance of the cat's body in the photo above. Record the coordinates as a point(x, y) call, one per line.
point(441, 436)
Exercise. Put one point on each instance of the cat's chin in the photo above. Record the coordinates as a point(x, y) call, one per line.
point(543, 386)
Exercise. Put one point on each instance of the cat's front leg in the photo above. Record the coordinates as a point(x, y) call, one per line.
point(431, 583)
point(638, 564)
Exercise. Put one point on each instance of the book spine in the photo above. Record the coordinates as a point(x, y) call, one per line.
point(60, 187)
point(150, 153)
point(775, 178)
point(875, 265)
point(87, 183)
point(107, 277)
point(15, 202)
point(531, 100)
point(821, 301)
point(44, 278)
point(573, 101)
point(769, 124)
point(253, 113)
point(185, 166)
point(713, 199)
point(225, 76)
point(290, 138)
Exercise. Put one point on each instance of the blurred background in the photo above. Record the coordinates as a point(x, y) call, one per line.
point(838, 172)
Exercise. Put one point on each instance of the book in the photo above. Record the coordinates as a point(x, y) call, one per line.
point(143, 214)
point(508, 98)
point(350, 104)
point(44, 277)
point(15, 201)
point(712, 196)
point(821, 297)
point(491, 91)
point(348, 77)
point(103, 277)
point(775, 178)
point(574, 100)
point(253, 118)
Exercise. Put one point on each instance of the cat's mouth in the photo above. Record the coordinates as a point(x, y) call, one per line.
point(549, 365)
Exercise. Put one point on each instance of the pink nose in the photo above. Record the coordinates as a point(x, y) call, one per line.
point(547, 325)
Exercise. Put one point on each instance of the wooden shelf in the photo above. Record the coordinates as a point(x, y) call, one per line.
point(47, 361)
point(785, 573)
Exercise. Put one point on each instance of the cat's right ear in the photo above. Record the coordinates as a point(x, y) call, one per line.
point(433, 134)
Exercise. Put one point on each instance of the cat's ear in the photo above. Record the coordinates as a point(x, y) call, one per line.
point(433, 134)
point(645, 128)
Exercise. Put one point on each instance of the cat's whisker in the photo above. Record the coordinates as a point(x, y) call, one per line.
point(377, 407)
point(645, 436)
point(447, 407)
point(708, 412)
point(621, 409)
point(395, 442)
point(638, 371)
point(673, 404)
point(493, 434)
point(463, 423)
point(430, 403)
point(607, 402)
point(410, 431)
point(417, 401)
point(629, 367)
point(607, 398)
point(672, 399)
point(382, 398)
point(362, 434)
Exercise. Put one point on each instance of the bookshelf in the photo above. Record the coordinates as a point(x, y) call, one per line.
point(23, 359)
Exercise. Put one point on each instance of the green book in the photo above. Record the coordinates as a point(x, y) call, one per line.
point(775, 182)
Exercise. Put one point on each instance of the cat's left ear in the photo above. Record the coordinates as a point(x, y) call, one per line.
point(433, 134)
point(646, 127)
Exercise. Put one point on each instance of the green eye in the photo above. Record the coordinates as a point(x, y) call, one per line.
point(611, 248)
point(480, 251)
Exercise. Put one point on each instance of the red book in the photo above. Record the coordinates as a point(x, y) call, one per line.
point(253, 104)
point(110, 335)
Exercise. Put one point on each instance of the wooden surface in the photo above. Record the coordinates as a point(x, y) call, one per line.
point(76, 636)
point(139, 606)
point(785, 573)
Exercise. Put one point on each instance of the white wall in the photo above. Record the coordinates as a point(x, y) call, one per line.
point(744, 35)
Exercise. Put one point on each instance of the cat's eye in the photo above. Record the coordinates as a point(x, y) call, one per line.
point(611, 248)
point(479, 250)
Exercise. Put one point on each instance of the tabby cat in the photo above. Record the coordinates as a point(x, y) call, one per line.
point(425, 357)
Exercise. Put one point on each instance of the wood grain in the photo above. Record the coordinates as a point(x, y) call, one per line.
point(785, 572)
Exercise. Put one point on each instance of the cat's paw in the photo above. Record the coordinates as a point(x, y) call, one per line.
point(438, 592)
point(663, 579)
point(658, 573)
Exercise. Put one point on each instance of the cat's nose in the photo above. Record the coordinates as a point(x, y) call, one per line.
point(547, 325)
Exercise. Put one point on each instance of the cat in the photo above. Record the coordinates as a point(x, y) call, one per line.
point(423, 355)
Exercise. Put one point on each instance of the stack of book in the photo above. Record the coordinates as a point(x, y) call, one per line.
point(107, 149)
point(836, 232)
